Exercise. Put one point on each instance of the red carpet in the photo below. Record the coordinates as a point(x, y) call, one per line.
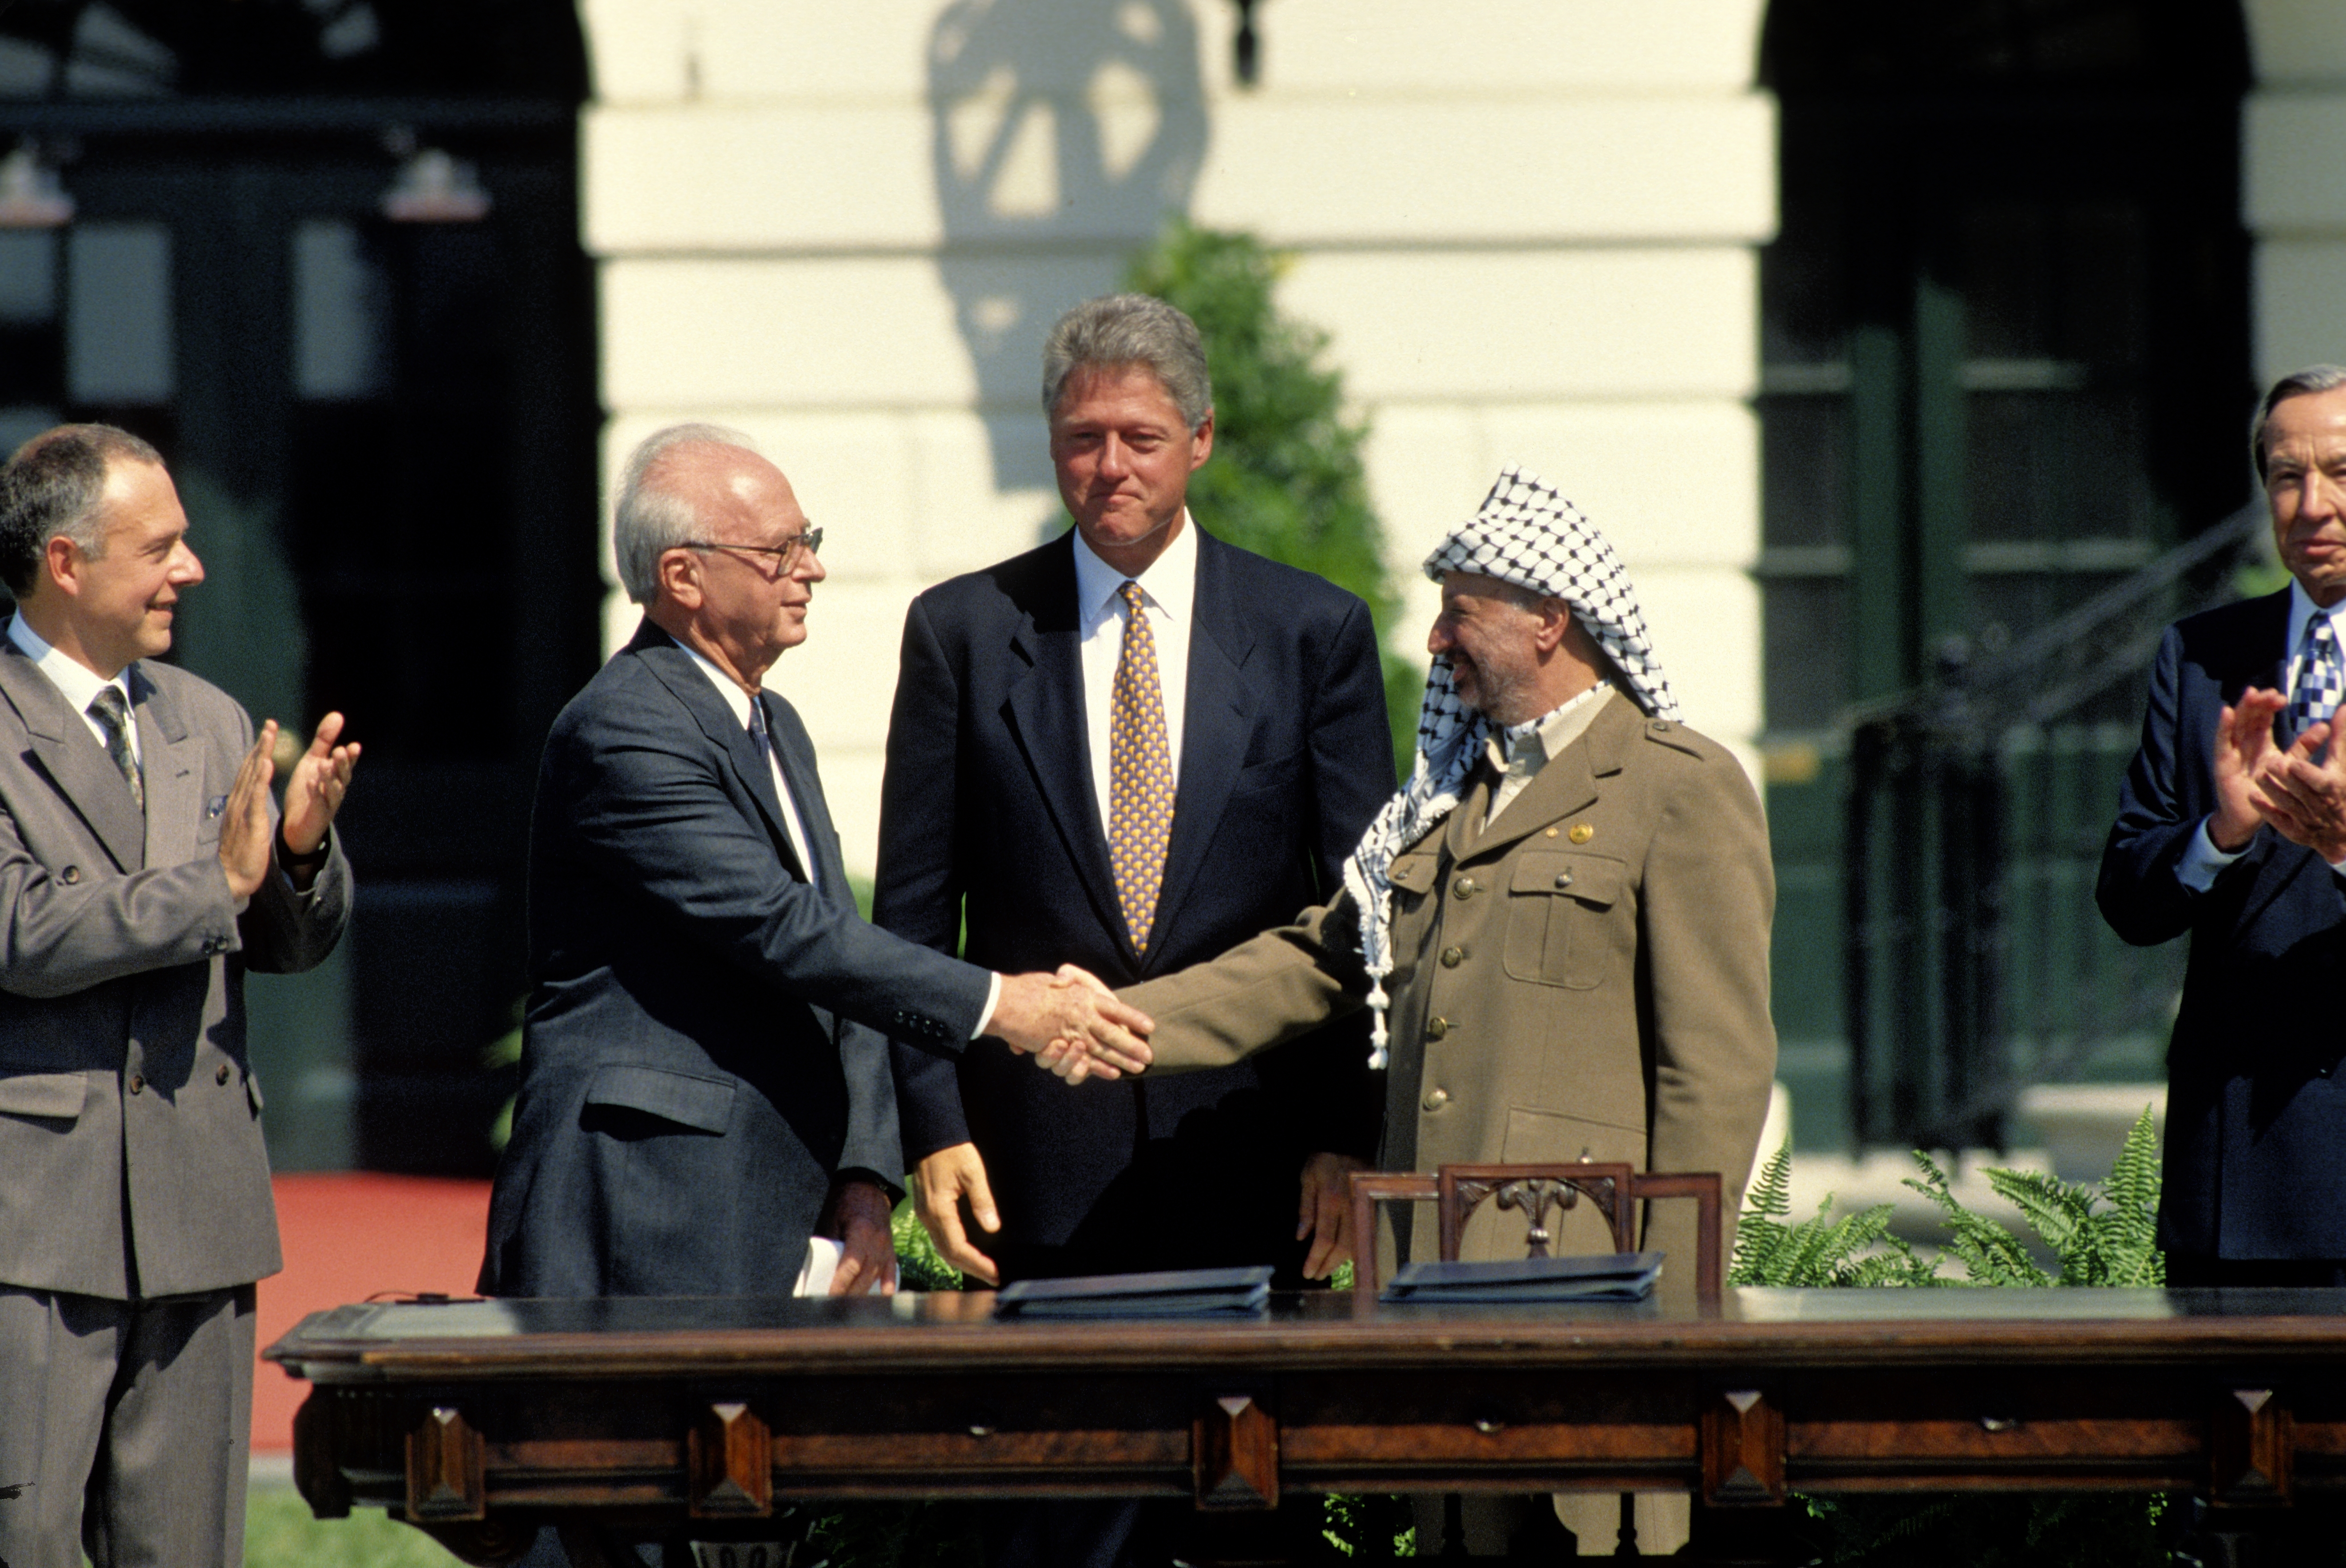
point(350, 1236)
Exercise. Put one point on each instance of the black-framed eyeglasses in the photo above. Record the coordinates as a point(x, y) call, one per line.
point(786, 556)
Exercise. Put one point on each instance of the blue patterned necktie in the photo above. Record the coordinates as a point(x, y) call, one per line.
point(2319, 677)
point(1140, 774)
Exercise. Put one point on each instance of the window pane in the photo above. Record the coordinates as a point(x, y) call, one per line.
point(118, 314)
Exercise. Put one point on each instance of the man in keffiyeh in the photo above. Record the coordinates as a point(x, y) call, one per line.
point(1561, 919)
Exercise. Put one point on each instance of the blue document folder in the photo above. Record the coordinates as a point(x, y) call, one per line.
point(1177, 1293)
point(1592, 1277)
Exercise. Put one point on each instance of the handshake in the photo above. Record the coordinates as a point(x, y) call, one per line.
point(1071, 1024)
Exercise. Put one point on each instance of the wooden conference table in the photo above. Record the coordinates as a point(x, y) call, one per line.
point(477, 1420)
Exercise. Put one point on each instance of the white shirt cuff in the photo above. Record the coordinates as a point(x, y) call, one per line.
point(993, 1000)
point(2202, 860)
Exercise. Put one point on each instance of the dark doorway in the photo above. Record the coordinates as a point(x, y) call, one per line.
point(385, 430)
point(2005, 351)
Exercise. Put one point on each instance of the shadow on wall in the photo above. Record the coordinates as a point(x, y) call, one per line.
point(1063, 133)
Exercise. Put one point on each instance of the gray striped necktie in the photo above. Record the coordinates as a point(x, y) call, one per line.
point(112, 716)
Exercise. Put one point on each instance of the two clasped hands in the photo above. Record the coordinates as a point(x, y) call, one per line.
point(1072, 1025)
point(2300, 790)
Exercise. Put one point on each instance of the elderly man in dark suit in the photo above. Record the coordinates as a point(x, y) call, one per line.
point(704, 1064)
point(144, 869)
point(2232, 827)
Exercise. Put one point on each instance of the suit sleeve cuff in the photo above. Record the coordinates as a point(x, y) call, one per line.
point(993, 1000)
point(2202, 861)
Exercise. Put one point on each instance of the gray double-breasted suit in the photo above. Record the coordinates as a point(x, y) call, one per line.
point(132, 1171)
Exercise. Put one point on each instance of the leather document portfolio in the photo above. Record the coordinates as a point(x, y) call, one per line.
point(1179, 1293)
point(1596, 1276)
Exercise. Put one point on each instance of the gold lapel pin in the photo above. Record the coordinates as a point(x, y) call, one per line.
point(1581, 833)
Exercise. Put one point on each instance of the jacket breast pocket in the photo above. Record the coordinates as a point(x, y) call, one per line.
point(1413, 878)
point(43, 1096)
point(628, 1101)
point(1558, 905)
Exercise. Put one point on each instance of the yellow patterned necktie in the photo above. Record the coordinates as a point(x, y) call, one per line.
point(1139, 773)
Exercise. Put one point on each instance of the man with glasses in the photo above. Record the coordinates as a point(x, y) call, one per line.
point(705, 1080)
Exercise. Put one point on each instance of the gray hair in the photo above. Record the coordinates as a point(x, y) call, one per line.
point(2312, 378)
point(53, 485)
point(1131, 330)
point(647, 521)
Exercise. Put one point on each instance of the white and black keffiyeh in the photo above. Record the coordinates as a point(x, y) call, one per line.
point(1527, 534)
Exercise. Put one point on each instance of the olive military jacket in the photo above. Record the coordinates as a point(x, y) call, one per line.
point(1584, 978)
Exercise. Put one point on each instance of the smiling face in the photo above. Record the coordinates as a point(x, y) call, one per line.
point(740, 607)
point(2305, 484)
point(1492, 639)
point(1123, 456)
point(118, 604)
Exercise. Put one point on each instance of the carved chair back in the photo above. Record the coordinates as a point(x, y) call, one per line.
point(1536, 1190)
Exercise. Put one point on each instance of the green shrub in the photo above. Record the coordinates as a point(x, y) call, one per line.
point(1285, 479)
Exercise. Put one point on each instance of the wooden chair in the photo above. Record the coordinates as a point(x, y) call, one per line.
point(1536, 1190)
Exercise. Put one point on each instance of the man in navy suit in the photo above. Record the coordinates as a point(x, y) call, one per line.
point(705, 1080)
point(1129, 749)
point(2232, 828)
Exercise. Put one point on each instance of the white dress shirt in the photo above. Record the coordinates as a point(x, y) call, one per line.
point(1169, 596)
point(737, 701)
point(2202, 860)
point(74, 679)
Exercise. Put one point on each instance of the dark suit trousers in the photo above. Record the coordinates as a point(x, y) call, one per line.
point(128, 1426)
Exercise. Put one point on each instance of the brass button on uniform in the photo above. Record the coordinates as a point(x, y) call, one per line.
point(1564, 878)
point(220, 1076)
point(136, 1083)
point(1581, 833)
point(1436, 1099)
point(1451, 957)
point(1466, 888)
point(70, 875)
point(1435, 1028)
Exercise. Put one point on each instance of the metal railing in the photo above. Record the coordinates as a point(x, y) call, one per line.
point(1976, 962)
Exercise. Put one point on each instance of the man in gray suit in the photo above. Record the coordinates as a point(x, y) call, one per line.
point(143, 869)
point(705, 1079)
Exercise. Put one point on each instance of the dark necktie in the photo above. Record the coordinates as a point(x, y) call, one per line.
point(112, 716)
point(764, 737)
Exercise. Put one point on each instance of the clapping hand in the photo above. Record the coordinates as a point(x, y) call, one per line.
point(2244, 749)
point(2303, 791)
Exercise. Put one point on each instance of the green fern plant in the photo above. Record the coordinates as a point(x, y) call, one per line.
point(1855, 1250)
point(2103, 1234)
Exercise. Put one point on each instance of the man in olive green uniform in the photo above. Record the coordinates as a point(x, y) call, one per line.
point(1562, 920)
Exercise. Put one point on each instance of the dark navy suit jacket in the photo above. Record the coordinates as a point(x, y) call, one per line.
point(2255, 1115)
point(706, 1045)
point(989, 813)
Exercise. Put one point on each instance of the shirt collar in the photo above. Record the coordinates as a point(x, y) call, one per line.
point(2301, 611)
point(1170, 581)
point(75, 680)
point(1556, 729)
point(727, 687)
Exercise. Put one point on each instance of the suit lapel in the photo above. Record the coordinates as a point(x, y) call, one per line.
point(1046, 715)
point(1564, 787)
point(172, 764)
point(689, 685)
point(797, 754)
point(1217, 716)
point(84, 776)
